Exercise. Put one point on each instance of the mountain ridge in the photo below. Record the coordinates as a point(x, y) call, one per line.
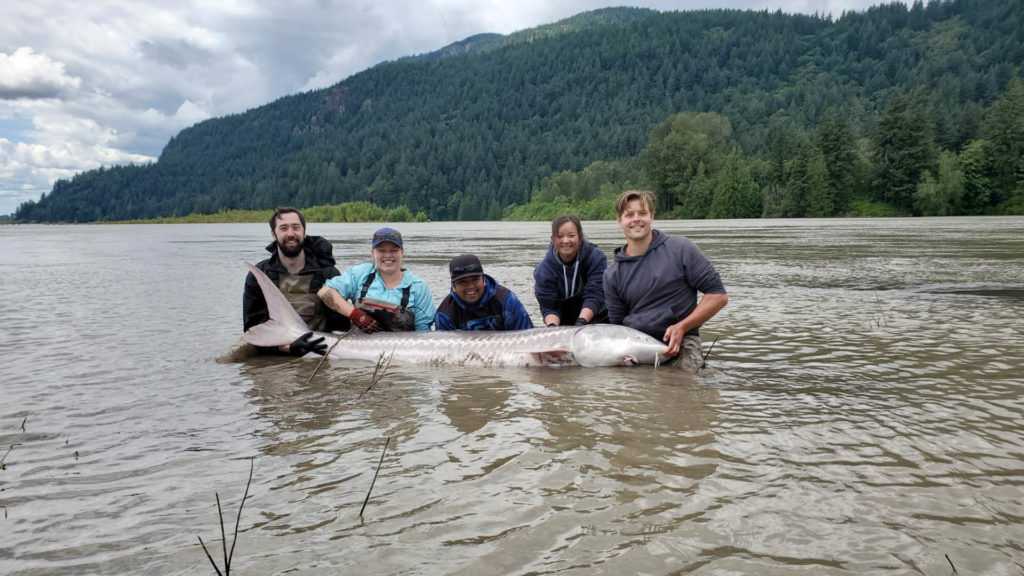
point(468, 137)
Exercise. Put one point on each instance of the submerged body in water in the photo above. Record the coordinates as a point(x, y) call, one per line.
point(592, 345)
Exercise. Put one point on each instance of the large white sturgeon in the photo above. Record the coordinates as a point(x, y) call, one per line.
point(591, 345)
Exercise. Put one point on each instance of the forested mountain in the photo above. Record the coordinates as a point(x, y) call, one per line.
point(486, 42)
point(724, 113)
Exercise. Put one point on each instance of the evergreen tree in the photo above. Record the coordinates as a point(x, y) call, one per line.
point(736, 195)
point(820, 194)
point(835, 138)
point(1006, 141)
point(976, 165)
point(904, 149)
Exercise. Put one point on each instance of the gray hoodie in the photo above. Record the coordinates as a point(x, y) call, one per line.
point(652, 291)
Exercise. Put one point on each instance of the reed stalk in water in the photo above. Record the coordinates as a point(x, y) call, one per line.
point(704, 360)
point(378, 372)
point(3, 465)
point(224, 540)
point(367, 499)
point(328, 353)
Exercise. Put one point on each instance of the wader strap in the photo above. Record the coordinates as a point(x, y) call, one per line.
point(373, 276)
point(366, 285)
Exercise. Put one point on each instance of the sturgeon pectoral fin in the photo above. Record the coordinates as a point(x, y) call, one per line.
point(557, 357)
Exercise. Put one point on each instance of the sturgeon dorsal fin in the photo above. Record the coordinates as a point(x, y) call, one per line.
point(285, 324)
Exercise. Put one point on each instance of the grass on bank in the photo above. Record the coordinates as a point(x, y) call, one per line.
point(596, 209)
point(346, 212)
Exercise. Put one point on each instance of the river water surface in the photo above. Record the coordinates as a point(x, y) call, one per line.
point(863, 414)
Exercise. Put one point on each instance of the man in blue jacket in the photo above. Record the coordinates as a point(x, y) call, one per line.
point(478, 302)
point(653, 281)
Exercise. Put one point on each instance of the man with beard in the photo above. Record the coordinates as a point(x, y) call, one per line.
point(299, 265)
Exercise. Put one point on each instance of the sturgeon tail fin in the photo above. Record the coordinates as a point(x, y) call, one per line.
point(285, 324)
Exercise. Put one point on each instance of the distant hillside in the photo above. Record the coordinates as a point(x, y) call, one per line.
point(470, 130)
point(486, 42)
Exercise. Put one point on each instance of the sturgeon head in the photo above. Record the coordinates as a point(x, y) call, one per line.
point(612, 345)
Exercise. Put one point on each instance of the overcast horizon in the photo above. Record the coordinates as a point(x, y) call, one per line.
point(104, 83)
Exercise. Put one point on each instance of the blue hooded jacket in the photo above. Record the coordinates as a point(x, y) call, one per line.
point(497, 309)
point(555, 281)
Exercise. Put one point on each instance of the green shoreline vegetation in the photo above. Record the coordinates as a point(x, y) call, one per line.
point(353, 212)
point(345, 212)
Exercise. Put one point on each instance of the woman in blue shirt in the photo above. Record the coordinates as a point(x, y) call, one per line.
point(382, 295)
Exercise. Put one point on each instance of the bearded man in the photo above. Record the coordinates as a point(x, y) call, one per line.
point(299, 265)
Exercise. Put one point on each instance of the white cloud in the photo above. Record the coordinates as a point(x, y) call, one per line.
point(108, 82)
point(25, 74)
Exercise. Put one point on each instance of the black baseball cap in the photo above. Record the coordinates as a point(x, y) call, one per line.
point(464, 266)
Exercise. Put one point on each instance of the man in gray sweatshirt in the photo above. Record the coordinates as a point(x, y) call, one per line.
point(653, 280)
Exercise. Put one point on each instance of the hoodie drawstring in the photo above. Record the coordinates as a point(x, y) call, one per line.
point(565, 277)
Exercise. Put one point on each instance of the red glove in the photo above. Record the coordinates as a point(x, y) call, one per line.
point(364, 321)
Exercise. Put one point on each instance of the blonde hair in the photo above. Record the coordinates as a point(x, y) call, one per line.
point(646, 197)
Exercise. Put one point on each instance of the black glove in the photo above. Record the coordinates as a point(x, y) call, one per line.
point(303, 345)
point(364, 321)
point(581, 322)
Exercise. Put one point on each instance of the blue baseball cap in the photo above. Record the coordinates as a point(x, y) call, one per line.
point(387, 235)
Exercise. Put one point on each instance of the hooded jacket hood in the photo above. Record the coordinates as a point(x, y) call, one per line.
point(657, 239)
point(555, 264)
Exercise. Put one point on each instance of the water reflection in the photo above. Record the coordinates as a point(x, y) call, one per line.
point(600, 459)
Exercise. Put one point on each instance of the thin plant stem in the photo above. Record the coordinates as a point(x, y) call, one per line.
point(378, 373)
point(388, 441)
point(704, 360)
point(227, 565)
point(203, 544)
point(328, 353)
point(223, 536)
point(9, 448)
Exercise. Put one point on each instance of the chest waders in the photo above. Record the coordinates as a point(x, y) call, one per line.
point(295, 288)
point(390, 317)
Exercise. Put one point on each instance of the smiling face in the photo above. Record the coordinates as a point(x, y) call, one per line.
point(387, 257)
point(635, 220)
point(289, 234)
point(566, 242)
point(469, 289)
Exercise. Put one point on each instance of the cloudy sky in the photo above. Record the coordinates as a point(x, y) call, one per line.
point(104, 82)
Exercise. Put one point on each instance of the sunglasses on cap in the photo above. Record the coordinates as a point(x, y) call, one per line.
point(387, 237)
point(471, 269)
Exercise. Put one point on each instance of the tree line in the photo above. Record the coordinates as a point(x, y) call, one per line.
point(898, 109)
